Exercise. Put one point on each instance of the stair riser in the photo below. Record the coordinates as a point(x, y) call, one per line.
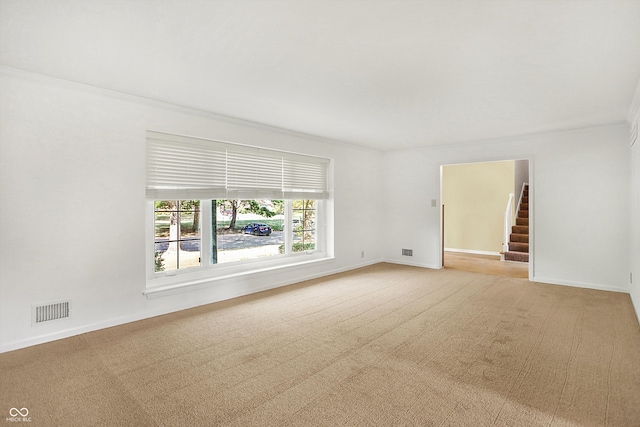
point(521, 238)
point(516, 256)
point(520, 229)
point(518, 247)
point(522, 221)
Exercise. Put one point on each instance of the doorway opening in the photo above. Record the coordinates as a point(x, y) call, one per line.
point(476, 203)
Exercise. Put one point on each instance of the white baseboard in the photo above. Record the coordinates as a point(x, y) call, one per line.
point(597, 286)
point(472, 251)
point(411, 263)
point(636, 308)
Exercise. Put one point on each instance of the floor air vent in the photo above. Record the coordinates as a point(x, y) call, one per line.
point(46, 313)
point(407, 252)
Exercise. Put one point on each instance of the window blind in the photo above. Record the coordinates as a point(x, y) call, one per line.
point(253, 173)
point(302, 178)
point(181, 167)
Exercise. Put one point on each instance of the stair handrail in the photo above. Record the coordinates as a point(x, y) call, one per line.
point(508, 222)
point(524, 185)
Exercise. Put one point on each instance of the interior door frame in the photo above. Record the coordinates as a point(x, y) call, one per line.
point(530, 159)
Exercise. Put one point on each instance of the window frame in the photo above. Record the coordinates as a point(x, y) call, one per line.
point(208, 271)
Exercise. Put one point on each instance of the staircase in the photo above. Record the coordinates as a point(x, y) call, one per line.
point(519, 238)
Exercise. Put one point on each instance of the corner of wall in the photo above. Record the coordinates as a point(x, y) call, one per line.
point(634, 243)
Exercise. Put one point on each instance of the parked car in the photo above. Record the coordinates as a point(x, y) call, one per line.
point(257, 229)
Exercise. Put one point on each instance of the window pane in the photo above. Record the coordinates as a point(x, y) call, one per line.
point(304, 245)
point(176, 234)
point(189, 225)
point(189, 255)
point(161, 225)
point(164, 260)
point(165, 214)
point(249, 229)
point(304, 225)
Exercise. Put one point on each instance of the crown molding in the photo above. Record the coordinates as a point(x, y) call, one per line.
point(33, 76)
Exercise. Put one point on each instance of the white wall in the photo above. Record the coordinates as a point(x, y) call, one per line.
point(72, 184)
point(579, 194)
point(521, 176)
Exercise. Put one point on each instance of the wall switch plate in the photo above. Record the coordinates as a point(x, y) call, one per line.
point(434, 203)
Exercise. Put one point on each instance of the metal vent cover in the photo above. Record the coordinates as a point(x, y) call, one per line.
point(407, 252)
point(48, 312)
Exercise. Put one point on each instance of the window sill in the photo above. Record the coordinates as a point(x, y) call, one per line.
point(204, 282)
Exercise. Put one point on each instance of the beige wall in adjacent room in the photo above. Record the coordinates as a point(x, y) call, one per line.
point(475, 197)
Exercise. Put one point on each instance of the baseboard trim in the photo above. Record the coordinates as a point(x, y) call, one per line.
point(411, 264)
point(636, 308)
point(596, 286)
point(471, 251)
point(70, 332)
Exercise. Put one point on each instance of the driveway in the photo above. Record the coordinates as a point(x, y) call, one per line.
point(231, 241)
point(241, 241)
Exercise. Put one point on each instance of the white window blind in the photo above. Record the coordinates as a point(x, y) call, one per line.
point(304, 179)
point(181, 167)
point(184, 168)
point(253, 173)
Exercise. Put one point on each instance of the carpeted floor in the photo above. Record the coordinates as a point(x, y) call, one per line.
point(381, 346)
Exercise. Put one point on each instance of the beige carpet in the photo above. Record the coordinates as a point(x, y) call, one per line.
point(381, 346)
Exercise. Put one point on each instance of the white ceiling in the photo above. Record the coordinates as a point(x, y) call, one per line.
point(384, 74)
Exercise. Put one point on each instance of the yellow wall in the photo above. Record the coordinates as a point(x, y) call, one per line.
point(475, 197)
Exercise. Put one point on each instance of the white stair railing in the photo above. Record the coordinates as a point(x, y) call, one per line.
point(508, 222)
point(524, 185)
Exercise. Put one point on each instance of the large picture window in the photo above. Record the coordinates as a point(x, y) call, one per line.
point(242, 230)
point(214, 204)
